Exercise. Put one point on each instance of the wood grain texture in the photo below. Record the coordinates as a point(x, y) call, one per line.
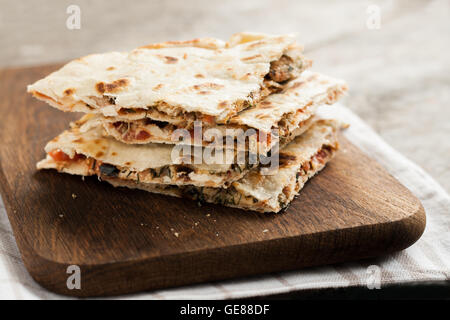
point(124, 240)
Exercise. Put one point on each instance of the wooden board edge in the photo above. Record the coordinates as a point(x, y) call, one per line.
point(135, 276)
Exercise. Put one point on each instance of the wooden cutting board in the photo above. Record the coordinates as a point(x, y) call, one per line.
point(127, 241)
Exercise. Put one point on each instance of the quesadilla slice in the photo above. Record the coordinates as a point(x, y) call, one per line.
point(288, 113)
point(203, 79)
point(91, 153)
point(300, 160)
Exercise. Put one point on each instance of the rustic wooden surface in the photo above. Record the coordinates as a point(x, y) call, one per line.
point(397, 74)
point(125, 240)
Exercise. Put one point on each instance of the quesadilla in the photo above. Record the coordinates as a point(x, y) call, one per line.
point(91, 153)
point(301, 159)
point(289, 113)
point(202, 79)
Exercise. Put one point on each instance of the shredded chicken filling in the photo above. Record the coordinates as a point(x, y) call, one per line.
point(139, 131)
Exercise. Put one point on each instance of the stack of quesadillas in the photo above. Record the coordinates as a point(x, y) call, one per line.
point(222, 122)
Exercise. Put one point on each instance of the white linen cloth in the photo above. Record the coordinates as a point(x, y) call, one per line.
point(428, 259)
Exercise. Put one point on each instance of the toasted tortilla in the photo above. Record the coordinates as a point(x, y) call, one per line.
point(202, 79)
point(91, 153)
point(300, 160)
point(289, 113)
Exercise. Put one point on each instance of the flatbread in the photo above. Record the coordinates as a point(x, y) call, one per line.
point(289, 113)
point(205, 79)
point(300, 160)
point(91, 153)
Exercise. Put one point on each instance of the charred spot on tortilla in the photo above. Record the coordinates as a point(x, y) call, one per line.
point(223, 104)
point(208, 85)
point(251, 57)
point(265, 104)
point(256, 44)
point(169, 59)
point(69, 92)
point(112, 87)
point(100, 87)
point(158, 86)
